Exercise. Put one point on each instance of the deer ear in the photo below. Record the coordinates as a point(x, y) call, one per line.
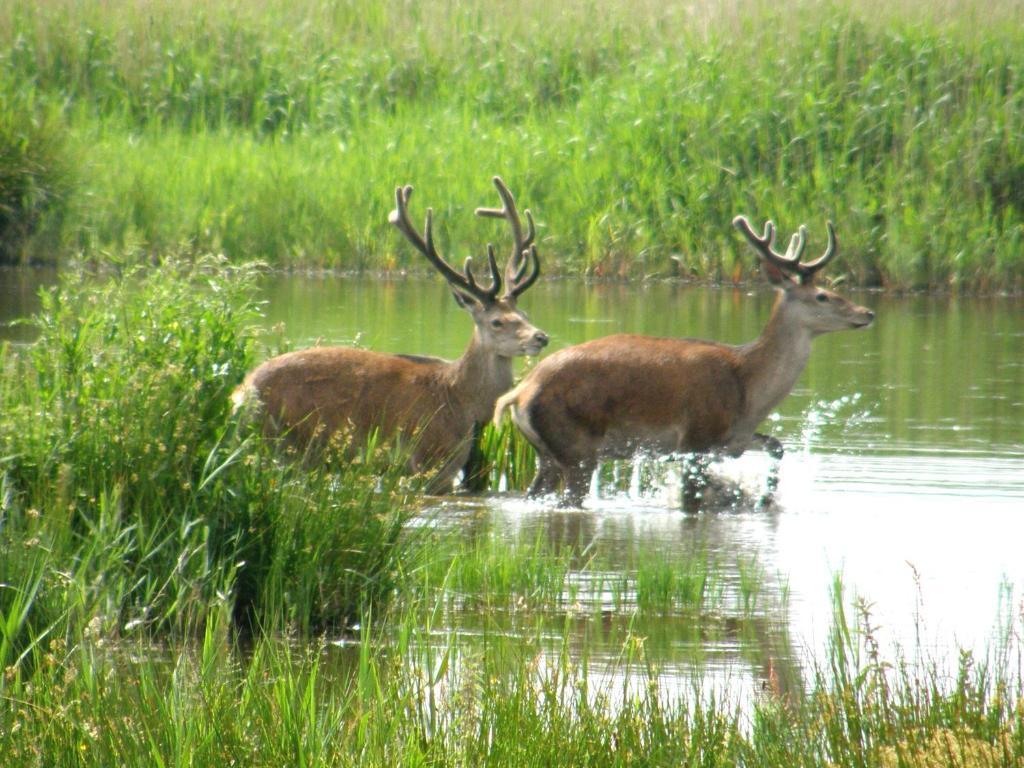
point(463, 300)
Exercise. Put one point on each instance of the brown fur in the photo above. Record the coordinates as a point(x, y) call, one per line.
point(313, 396)
point(623, 394)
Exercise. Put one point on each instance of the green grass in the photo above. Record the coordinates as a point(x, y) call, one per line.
point(36, 178)
point(143, 531)
point(529, 573)
point(473, 575)
point(493, 698)
point(134, 499)
point(635, 133)
point(512, 460)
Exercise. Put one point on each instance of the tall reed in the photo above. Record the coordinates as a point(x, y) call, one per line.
point(134, 498)
point(635, 133)
point(494, 697)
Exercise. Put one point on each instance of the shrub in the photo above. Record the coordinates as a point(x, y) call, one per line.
point(132, 489)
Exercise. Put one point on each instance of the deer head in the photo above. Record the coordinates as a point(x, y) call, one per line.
point(812, 307)
point(500, 326)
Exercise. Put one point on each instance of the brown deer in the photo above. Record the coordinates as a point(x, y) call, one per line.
point(309, 396)
point(619, 395)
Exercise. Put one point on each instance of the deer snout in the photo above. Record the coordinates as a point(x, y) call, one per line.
point(864, 317)
point(534, 342)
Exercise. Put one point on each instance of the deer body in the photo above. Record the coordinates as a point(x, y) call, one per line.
point(312, 396)
point(619, 395)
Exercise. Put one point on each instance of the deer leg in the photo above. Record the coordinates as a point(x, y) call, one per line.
point(476, 472)
point(695, 480)
point(442, 481)
point(774, 449)
point(768, 444)
point(577, 483)
point(434, 449)
point(547, 478)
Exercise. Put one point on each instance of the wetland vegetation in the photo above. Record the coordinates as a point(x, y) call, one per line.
point(278, 130)
point(171, 593)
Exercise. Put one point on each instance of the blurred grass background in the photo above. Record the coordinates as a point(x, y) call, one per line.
point(634, 131)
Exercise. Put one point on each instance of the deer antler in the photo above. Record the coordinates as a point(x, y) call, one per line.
point(463, 281)
point(524, 252)
point(790, 261)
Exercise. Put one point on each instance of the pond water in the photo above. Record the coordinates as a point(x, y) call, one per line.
point(903, 476)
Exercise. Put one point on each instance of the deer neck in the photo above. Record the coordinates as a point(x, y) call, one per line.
point(478, 379)
point(771, 365)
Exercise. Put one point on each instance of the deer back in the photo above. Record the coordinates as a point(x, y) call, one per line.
point(312, 395)
point(630, 391)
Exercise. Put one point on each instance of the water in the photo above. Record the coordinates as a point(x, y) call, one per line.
point(904, 472)
point(19, 298)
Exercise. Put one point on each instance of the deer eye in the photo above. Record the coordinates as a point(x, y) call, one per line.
point(822, 297)
point(496, 323)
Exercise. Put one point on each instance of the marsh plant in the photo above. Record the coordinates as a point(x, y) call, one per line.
point(636, 130)
point(36, 178)
point(409, 697)
point(134, 501)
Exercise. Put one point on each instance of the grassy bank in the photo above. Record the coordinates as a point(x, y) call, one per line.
point(410, 695)
point(133, 502)
point(634, 132)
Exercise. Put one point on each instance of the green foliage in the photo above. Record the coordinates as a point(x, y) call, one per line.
point(35, 178)
point(128, 385)
point(635, 134)
point(488, 572)
point(512, 458)
point(489, 697)
point(133, 499)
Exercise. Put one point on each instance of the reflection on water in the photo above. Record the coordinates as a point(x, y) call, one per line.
point(719, 618)
point(933, 567)
point(904, 469)
point(19, 298)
